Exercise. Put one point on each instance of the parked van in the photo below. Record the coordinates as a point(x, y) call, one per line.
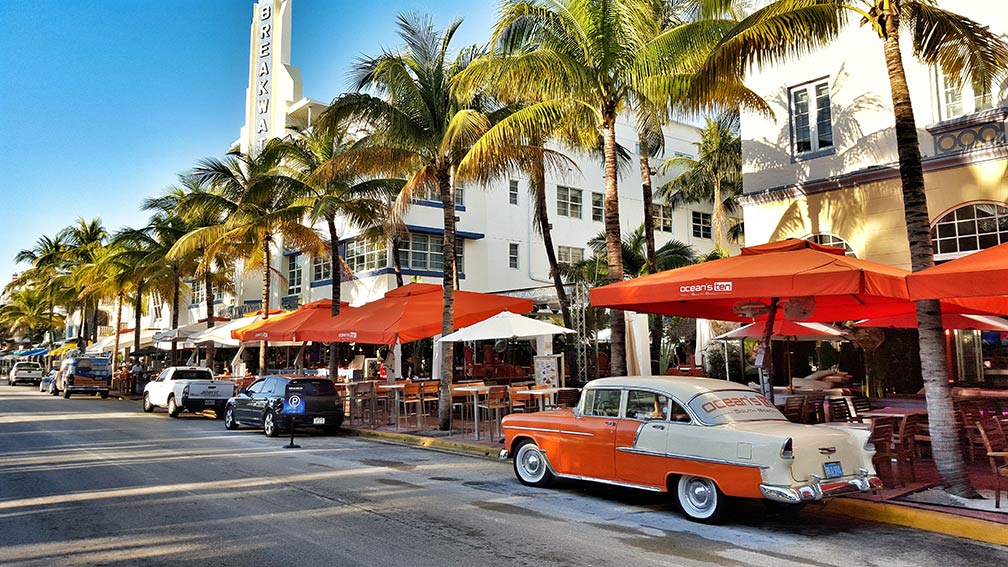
point(83, 375)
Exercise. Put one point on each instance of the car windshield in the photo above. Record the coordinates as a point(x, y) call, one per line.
point(728, 406)
point(316, 387)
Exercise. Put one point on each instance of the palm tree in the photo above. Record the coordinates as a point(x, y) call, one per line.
point(420, 131)
point(48, 259)
point(257, 204)
point(715, 176)
point(358, 203)
point(584, 62)
point(633, 249)
point(961, 48)
point(27, 311)
point(215, 271)
point(86, 239)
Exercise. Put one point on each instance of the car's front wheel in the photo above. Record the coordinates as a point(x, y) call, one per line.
point(147, 405)
point(530, 465)
point(229, 418)
point(103, 395)
point(270, 427)
point(700, 499)
point(66, 394)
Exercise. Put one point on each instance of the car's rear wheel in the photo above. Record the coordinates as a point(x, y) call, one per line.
point(147, 405)
point(66, 394)
point(530, 465)
point(270, 427)
point(173, 409)
point(103, 395)
point(229, 418)
point(700, 499)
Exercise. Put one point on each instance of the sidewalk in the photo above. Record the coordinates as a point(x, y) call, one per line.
point(890, 506)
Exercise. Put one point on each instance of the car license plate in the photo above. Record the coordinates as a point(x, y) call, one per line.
point(832, 469)
point(208, 402)
point(318, 421)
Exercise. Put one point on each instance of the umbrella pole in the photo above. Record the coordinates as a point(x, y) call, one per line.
point(765, 363)
point(727, 370)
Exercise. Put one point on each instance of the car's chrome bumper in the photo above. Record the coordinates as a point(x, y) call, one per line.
point(503, 455)
point(817, 489)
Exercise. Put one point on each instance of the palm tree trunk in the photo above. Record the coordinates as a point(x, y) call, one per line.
point(718, 215)
point(649, 241)
point(137, 309)
point(448, 310)
point(542, 217)
point(118, 325)
point(211, 350)
point(614, 249)
point(336, 274)
point(944, 434)
point(265, 302)
point(176, 285)
point(396, 263)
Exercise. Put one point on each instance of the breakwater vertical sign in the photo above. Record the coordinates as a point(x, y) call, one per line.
point(263, 81)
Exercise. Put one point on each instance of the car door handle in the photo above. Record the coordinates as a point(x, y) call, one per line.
point(610, 423)
point(656, 426)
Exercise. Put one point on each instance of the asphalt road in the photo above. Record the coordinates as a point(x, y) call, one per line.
point(92, 482)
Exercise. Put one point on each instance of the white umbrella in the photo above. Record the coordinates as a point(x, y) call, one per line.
point(505, 325)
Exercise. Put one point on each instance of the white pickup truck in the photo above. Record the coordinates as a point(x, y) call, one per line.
point(189, 388)
point(25, 372)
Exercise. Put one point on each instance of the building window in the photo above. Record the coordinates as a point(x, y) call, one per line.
point(423, 252)
point(321, 268)
point(513, 255)
point(701, 224)
point(433, 194)
point(811, 118)
point(960, 100)
point(968, 229)
point(598, 207)
point(364, 255)
point(569, 254)
point(662, 217)
point(294, 264)
point(568, 202)
point(513, 192)
point(198, 291)
point(827, 239)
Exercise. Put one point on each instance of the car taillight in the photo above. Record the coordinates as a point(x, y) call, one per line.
point(787, 451)
point(869, 446)
point(185, 391)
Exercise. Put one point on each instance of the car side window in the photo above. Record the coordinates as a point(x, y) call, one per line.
point(603, 402)
point(679, 415)
point(163, 376)
point(256, 387)
point(645, 405)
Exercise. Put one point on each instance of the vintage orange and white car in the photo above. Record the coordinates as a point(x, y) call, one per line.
point(701, 439)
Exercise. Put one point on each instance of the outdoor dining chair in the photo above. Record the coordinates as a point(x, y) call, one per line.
point(410, 397)
point(840, 411)
point(794, 408)
point(993, 437)
point(882, 438)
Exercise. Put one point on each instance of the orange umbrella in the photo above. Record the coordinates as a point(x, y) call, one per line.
point(286, 326)
point(949, 321)
point(983, 273)
point(813, 283)
point(784, 329)
point(408, 313)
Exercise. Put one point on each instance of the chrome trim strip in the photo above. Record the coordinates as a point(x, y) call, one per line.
point(532, 429)
point(690, 458)
point(583, 434)
point(611, 482)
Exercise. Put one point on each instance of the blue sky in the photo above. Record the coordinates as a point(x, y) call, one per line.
point(105, 101)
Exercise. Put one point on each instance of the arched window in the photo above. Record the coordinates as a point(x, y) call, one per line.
point(968, 229)
point(828, 239)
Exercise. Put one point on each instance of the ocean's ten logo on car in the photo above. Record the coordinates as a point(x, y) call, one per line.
point(706, 288)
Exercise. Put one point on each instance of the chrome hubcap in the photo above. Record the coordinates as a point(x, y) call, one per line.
point(699, 494)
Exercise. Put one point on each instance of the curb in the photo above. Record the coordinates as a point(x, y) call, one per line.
point(883, 512)
point(921, 519)
point(448, 445)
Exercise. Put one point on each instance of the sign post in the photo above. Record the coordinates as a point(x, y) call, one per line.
point(293, 405)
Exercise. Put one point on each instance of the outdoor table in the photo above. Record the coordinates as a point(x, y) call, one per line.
point(476, 391)
point(541, 394)
point(898, 413)
point(398, 388)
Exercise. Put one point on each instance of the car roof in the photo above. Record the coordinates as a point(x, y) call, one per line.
point(683, 386)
